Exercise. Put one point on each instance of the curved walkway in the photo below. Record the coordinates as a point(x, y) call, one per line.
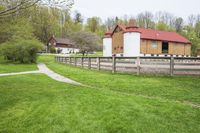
point(19, 73)
point(44, 69)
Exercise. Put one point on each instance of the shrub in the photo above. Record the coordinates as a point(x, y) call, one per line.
point(52, 50)
point(23, 51)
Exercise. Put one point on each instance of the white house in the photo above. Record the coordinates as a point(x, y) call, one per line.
point(63, 45)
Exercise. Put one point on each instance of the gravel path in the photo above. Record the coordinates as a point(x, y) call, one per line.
point(44, 69)
point(19, 73)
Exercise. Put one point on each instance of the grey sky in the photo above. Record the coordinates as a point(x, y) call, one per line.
point(111, 8)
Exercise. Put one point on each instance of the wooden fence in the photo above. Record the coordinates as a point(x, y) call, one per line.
point(151, 65)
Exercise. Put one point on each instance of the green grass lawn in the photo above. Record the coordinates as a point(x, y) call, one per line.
point(7, 67)
point(35, 103)
point(174, 88)
point(116, 103)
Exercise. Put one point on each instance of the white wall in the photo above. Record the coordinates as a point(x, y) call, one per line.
point(67, 50)
point(131, 44)
point(107, 47)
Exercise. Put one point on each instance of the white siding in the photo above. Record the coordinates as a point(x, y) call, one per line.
point(131, 44)
point(67, 50)
point(107, 47)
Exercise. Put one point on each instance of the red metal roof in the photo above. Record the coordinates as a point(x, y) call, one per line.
point(162, 36)
point(151, 34)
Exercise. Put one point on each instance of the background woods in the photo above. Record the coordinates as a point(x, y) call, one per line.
point(40, 19)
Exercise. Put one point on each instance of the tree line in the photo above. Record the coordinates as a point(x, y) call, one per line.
point(41, 19)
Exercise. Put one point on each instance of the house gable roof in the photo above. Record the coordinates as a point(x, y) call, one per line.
point(122, 27)
point(62, 40)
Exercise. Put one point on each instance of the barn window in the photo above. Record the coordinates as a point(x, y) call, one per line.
point(154, 44)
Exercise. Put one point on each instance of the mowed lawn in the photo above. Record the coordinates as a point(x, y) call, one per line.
point(173, 88)
point(115, 103)
point(8, 67)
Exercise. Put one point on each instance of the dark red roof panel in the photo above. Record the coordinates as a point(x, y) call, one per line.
point(162, 36)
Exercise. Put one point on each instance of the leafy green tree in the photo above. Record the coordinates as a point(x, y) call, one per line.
point(189, 32)
point(45, 23)
point(18, 28)
point(70, 26)
point(95, 25)
point(163, 27)
point(197, 29)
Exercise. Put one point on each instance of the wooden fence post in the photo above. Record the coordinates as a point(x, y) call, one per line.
point(82, 62)
point(70, 60)
point(89, 63)
point(113, 64)
point(172, 66)
point(75, 61)
point(55, 59)
point(98, 63)
point(138, 65)
point(65, 60)
point(59, 59)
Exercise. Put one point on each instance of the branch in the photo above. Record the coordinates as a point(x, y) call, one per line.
point(15, 7)
point(18, 8)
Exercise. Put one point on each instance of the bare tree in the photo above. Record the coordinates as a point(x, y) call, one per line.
point(145, 20)
point(13, 6)
point(110, 23)
point(191, 20)
point(165, 17)
point(78, 17)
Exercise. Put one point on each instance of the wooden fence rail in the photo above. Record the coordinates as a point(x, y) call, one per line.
point(152, 65)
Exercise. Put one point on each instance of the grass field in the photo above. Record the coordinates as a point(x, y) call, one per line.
point(175, 88)
point(7, 67)
point(114, 103)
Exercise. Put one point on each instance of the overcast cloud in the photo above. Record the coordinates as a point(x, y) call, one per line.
point(111, 8)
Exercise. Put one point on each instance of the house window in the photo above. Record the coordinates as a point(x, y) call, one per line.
point(154, 44)
point(122, 48)
point(115, 48)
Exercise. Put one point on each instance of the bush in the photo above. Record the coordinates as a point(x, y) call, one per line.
point(23, 51)
point(52, 50)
